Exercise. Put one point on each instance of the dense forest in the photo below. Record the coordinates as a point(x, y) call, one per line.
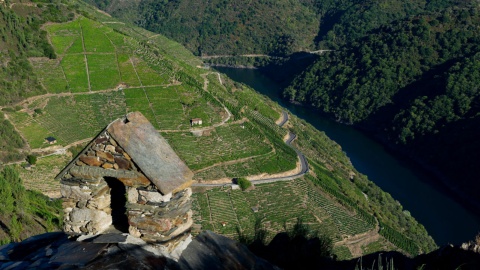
point(414, 82)
point(225, 27)
point(275, 27)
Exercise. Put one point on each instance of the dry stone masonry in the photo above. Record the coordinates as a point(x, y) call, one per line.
point(154, 184)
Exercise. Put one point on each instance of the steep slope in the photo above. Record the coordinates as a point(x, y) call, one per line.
point(225, 27)
point(104, 68)
point(24, 213)
point(414, 83)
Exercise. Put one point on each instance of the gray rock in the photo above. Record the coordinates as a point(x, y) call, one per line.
point(77, 253)
point(73, 192)
point(154, 196)
point(80, 215)
point(110, 238)
point(212, 251)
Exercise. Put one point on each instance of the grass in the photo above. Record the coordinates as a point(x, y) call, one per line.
point(64, 36)
point(31, 130)
point(76, 73)
point(147, 75)
point(223, 144)
point(127, 72)
point(51, 75)
point(94, 37)
point(278, 205)
point(103, 69)
point(89, 114)
point(342, 253)
point(41, 176)
point(379, 245)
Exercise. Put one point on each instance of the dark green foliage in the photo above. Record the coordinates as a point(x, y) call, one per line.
point(225, 27)
point(21, 37)
point(244, 183)
point(24, 213)
point(399, 239)
point(32, 159)
point(9, 137)
point(354, 83)
point(382, 209)
point(415, 83)
point(259, 235)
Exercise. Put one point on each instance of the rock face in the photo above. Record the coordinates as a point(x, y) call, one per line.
point(115, 251)
point(154, 185)
point(212, 251)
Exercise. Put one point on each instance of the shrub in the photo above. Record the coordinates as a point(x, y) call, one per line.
point(32, 159)
point(244, 183)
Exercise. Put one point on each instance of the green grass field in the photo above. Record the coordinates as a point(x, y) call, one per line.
point(76, 73)
point(104, 72)
point(69, 119)
point(127, 71)
point(51, 74)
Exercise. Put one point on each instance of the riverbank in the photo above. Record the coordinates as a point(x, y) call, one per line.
point(446, 183)
point(442, 214)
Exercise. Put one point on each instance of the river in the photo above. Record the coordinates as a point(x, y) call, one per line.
point(446, 220)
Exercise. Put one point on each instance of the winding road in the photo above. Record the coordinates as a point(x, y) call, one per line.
point(303, 163)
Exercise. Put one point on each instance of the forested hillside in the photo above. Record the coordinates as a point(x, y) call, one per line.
point(277, 27)
point(24, 213)
point(225, 27)
point(415, 82)
point(22, 37)
point(95, 69)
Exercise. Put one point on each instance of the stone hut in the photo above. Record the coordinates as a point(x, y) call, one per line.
point(128, 179)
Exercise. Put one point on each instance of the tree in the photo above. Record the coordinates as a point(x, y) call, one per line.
point(244, 183)
point(32, 159)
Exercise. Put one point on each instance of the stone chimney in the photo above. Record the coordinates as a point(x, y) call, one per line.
point(128, 179)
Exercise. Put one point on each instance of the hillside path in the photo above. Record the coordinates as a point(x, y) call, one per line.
point(269, 179)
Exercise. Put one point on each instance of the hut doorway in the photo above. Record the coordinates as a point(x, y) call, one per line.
point(118, 201)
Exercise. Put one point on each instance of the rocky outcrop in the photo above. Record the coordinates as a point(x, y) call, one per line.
point(212, 251)
point(154, 181)
point(117, 251)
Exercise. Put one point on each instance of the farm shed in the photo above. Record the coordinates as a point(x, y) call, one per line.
point(196, 121)
point(50, 140)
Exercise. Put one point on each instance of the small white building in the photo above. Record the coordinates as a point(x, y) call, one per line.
point(196, 121)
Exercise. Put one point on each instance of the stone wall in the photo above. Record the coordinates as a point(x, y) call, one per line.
point(152, 216)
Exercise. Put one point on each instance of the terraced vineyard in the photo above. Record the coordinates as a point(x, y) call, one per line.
point(225, 143)
point(276, 204)
point(101, 74)
point(105, 69)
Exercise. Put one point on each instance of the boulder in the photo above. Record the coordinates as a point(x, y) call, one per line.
point(132, 195)
point(110, 148)
point(107, 165)
point(154, 196)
